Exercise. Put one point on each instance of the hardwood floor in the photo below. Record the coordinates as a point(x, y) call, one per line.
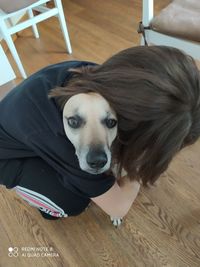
point(163, 225)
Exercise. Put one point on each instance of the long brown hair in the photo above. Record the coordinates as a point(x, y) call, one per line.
point(155, 92)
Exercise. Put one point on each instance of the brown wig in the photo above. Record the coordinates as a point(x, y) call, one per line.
point(155, 92)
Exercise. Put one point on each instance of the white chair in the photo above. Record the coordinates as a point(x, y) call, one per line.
point(159, 38)
point(44, 13)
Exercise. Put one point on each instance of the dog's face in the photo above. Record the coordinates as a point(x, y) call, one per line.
point(91, 126)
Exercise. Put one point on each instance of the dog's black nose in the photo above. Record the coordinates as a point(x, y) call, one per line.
point(96, 159)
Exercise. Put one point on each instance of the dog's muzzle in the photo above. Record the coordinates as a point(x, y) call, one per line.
point(96, 159)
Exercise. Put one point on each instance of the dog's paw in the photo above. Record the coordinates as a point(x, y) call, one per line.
point(116, 221)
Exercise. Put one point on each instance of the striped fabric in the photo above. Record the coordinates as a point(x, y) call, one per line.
point(40, 201)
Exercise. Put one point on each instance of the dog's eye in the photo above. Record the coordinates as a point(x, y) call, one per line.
point(110, 123)
point(74, 122)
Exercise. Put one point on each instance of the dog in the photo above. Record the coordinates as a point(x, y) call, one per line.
point(91, 126)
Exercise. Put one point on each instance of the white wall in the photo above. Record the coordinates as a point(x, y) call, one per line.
point(7, 73)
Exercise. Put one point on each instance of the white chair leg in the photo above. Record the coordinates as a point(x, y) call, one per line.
point(34, 27)
point(147, 11)
point(12, 48)
point(142, 41)
point(14, 53)
point(63, 24)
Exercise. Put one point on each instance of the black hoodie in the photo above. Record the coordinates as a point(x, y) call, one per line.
point(31, 125)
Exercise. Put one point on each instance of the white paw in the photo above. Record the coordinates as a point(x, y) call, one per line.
point(116, 221)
